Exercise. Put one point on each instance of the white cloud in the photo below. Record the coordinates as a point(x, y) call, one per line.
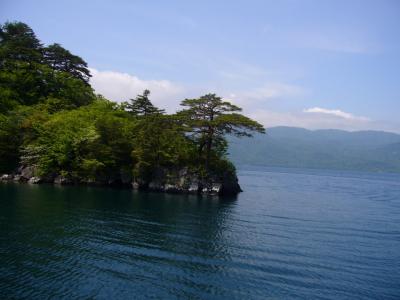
point(335, 112)
point(120, 87)
point(305, 120)
point(266, 92)
point(166, 94)
point(319, 121)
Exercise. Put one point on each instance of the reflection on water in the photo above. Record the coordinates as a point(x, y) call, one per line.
point(304, 234)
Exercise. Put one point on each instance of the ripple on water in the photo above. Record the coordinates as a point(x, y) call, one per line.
point(289, 235)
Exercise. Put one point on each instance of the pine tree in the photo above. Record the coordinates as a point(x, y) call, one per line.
point(208, 118)
point(142, 106)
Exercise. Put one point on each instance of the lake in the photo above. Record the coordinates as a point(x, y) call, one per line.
point(299, 234)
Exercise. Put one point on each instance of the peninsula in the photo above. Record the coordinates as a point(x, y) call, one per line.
point(55, 129)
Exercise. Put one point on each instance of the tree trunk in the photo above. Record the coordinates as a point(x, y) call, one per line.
point(208, 150)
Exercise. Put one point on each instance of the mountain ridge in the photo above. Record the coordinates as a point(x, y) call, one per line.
point(283, 146)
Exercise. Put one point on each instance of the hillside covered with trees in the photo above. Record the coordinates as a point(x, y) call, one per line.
point(54, 128)
point(372, 151)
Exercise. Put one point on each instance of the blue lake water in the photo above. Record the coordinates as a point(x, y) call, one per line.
point(298, 234)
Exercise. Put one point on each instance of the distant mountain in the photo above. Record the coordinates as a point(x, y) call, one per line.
point(375, 151)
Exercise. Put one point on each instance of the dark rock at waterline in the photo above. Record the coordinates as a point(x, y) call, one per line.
point(62, 180)
point(178, 181)
point(26, 172)
point(35, 180)
point(118, 183)
point(6, 177)
point(230, 185)
point(183, 181)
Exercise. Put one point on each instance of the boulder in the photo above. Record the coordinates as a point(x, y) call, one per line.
point(156, 186)
point(216, 188)
point(27, 172)
point(6, 177)
point(173, 188)
point(35, 180)
point(193, 188)
point(184, 181)
point(19, 178)
point(230, 186)
point(135, 185)
point(62, 180)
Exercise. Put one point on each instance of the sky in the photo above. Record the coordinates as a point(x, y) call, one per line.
point(313, 64)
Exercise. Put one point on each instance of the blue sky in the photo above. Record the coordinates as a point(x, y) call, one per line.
point(313, 64)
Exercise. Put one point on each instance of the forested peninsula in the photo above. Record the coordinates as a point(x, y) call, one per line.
point(55, 129)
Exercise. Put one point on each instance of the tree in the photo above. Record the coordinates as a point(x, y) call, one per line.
point(60, 59)
point(22, 77)
point(18, 42)
point(208, 118)
point(10, 138)
point(159, 143)
point(31, 74)
point(51, 120)
point(86, 143)
point(141, 105)
point(68, 92)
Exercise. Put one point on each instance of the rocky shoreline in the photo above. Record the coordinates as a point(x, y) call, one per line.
point(180, 181)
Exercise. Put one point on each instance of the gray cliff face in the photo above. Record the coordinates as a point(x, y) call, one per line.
point(180, 181)
point(186, 182)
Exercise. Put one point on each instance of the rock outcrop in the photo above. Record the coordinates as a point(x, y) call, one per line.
point(178, 181)
point(35, 180)
point(6, 177)
point(186, 182)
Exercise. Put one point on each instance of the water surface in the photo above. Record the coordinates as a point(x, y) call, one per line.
point(292, 234)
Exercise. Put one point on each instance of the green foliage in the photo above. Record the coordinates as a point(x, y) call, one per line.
point(70, 91)
point(31, 74)
point(91, 142)
point(141, 105)
point(207, 119)
point(159, 142)
point(9, 143)
point(51, 120)
point(62, 60)
point(23, 83)
point(18, 42)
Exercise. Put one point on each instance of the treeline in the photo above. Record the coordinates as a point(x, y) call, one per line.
point(52, 121)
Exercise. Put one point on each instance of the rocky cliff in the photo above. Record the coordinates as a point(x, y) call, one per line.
point(182, 181)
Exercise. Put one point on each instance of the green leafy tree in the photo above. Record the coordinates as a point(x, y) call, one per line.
point(10, 139)
point(141, 105)
point(51, 120)
point(31, 74)
point(208, 118)
point(18, 42)
point(21, 73)
point(92, 142)
point(159, 142)
point(68, 92)
point(60, 59)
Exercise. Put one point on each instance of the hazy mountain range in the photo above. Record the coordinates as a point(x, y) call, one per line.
point(375, 151)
